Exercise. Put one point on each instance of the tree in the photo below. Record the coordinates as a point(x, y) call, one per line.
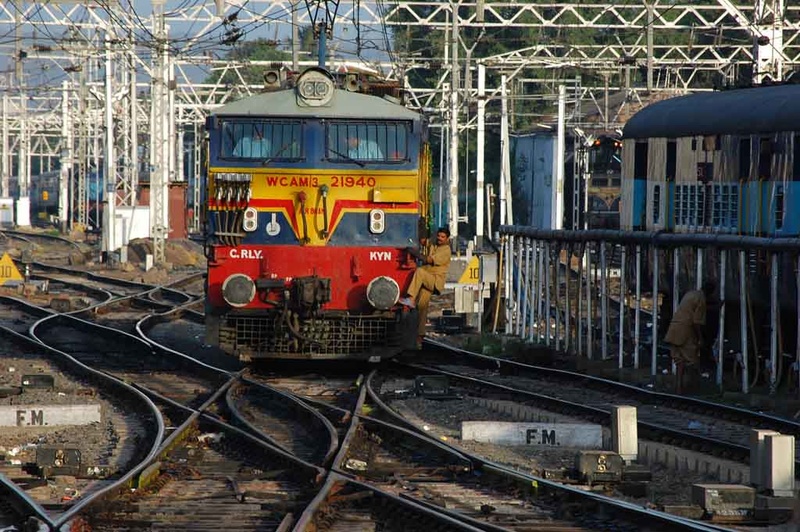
point(247, 51)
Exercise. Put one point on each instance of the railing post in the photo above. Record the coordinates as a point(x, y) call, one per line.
point(797, 312)
point(579, 295)
point(589, 308)
point(637, 319)
point(557, 294)
point(532, 282)
point(676, 290)
point(773, 324)
point(743, 320)
point(526, 287)
point(603, 301)
point(654, 352)
point(547, 279)
point(508, 276)
point(622, 308)
point(518, 309)
point(723, 258)
point(568, 309)
point(540, 284)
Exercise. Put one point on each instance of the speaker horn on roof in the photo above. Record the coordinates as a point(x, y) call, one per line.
point(351, 82)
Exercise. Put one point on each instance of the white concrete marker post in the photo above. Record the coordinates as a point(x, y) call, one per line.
point(757, 454)
point(624, 432)
point(778, 465)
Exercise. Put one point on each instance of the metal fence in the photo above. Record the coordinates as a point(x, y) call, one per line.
point(612, 293)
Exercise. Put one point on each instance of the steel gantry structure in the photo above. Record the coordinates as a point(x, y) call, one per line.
point(109, 88)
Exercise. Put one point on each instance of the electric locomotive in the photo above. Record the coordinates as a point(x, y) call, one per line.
point(605, 169)
point(313, 195)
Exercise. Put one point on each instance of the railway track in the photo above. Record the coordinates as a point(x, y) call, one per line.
point(711, 428)
point(254, 450)
point(428, 473)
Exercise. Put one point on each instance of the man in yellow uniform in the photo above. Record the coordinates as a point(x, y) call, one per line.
point(429, 278)
point(685, 333)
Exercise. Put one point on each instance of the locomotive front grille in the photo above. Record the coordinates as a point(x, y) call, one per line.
point(326, 337)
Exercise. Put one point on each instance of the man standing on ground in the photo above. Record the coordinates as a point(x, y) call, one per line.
point(685, 333)
point(429, 278)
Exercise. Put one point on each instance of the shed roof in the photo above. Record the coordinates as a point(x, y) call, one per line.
point(731, 112)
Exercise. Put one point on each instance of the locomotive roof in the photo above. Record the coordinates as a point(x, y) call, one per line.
point(345, 104)
point(732, 112)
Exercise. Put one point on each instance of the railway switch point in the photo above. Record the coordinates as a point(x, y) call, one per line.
point(624, 434)
point(758, 450)
point(599, 466)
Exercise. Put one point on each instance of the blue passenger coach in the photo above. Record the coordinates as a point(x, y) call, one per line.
point(719, 162)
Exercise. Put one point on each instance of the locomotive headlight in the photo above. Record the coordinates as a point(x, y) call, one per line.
point(315, 88)
point(250, 221)
point(383, 292)
point(238, 290)
point(377, 221)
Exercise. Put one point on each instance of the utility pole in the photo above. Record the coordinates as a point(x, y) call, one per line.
point(649, 47)
point(109, 157)
point(480, 163)
point(80, 196)
point(5, 154)
point(159, 144)
point(453, 196)
point(557, 221)
point(65, 176)
point(23, 211)
point(506, 207)
point(768, 41)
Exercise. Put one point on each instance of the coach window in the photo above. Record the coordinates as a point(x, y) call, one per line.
point(640, 160)
point(765, 151)
point(672, 159)
point(274, 140)
point(744, 159)
point(384, 142)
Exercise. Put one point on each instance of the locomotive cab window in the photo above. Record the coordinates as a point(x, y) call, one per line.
point(274, 140)
point(383, 142)
point(605, 156)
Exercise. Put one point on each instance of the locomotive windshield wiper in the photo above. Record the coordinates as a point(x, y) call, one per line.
point(277, 154)
point(348, 158)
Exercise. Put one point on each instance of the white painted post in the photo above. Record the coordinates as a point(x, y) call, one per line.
point(624, 432)
point(779, 465)
point(758, 448)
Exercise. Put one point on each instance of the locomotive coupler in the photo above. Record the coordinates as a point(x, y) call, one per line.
point(310, 293)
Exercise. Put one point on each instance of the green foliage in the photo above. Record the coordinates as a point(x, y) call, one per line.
point(247, 51)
